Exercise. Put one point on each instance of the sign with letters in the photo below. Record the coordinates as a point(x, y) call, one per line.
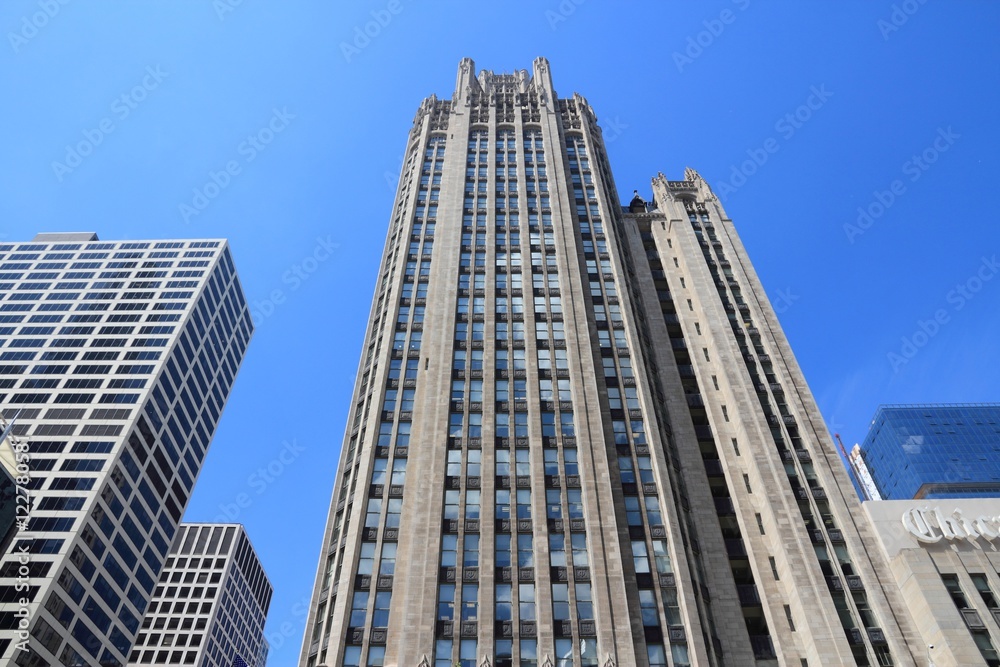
point(930, 525)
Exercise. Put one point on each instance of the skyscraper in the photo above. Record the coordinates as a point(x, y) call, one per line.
point(210, 604)
point(933, 451)
point(578, 434)
point(117, 361)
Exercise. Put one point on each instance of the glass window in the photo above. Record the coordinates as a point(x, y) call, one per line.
point(380, 616)
point(564, 652)
point(442, 653)
point(387, 564)
point(579, 544)
point(640, 556)
point(526, 601)
point(503, 602)
point(467, 653)
point(557, 550)
point(502, 504)
point(471, 553)
point(446, 602)
point(525, 552)
point(366, 560)
point(503, 556)
point(470, 602)
point(358, 606)
point(584, 602)
point(553, 504)
point(503, 463)
point(661, 557)
point(523, 498)
point(451, 504)
point(449, 550)
point(472, 503)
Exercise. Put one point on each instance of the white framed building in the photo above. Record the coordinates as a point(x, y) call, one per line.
point(117, 358)
point(211, 602)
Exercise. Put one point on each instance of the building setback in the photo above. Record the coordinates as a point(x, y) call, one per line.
point(210, 604)
point(578, 434)
point(117, 361)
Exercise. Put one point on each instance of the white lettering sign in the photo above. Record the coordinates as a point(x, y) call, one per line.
point(931, 525)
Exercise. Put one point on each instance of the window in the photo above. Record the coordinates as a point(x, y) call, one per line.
point(526, 601)
point(470, 602)
point(367, 558)
point(525, 553)
point(373, 513)
point(449, 550)
point(557, 550)
point(640, 556)
point(473, 465)
point(387, 564)
point(380, 615)
point(560, 602)
point(446, 602)
point(578, 541)
point(584, 603)
point(451, 504)
point(503, 602)
point(503, 462)
point(553, 504)
point(661, 557)
point(502, 504)
point(471, 553)
point(472, 503)
point(358, 607)
point(503, 555)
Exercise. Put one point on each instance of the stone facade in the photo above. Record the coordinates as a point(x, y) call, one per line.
point(606, 387)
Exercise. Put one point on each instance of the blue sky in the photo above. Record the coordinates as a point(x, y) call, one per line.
point(301, 133)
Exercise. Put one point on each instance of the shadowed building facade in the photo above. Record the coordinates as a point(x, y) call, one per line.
point(578, 435)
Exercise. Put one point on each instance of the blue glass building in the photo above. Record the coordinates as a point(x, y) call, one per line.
point(934, 451)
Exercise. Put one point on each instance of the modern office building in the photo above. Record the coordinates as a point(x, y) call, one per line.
point(578, 434)
point(934, 451)
point(210, 605)
point(117, 360)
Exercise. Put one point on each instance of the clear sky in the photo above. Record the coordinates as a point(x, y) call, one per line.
point(115, 113)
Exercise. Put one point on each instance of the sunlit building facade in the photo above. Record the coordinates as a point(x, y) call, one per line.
point(117, 360)
point(578, 435)
point(210, 604)
point(933, 451)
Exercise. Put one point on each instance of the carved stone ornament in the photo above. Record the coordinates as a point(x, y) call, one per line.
point(548, 661)
point(424, 662)
point(485, 662)
point(610, 662)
